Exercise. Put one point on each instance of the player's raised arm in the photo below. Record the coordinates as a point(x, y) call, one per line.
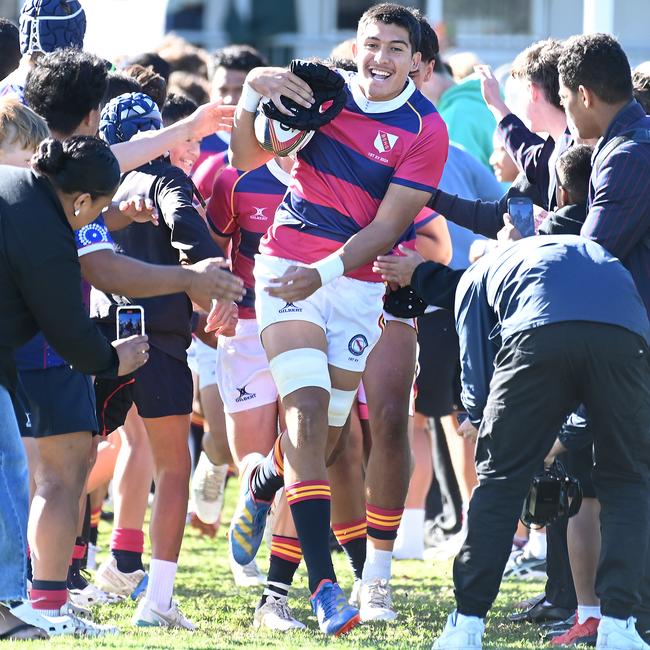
point(245, 152)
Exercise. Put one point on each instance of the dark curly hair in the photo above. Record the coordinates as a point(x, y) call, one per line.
point(65, 86)
point(429, 45)
point(176, 108)
point(78, 164)
point(641, 85)
point(236, 57)
point(392, 14)
point(538, 63)
point(9, 47)
point(597, 62)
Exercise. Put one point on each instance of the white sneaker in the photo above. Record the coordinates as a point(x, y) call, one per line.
point(355, 593)
point(248, 575)
point(461, 633)
point(619, 634)
point(91, 595)
point(148, 615)
point(66, 624)
point(275, 614)
point(110, 579)
point(208, 485)
point(375, 601)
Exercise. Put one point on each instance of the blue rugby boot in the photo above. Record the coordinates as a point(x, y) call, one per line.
point(248, 522)
point(335, 616)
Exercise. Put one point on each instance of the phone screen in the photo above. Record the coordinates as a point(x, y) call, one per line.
point(130, 322)
point(520, 210)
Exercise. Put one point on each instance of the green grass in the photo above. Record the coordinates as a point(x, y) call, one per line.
point(423, 596)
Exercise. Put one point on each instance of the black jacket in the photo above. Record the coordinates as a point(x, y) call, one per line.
point(181, 235)
point(40, 279)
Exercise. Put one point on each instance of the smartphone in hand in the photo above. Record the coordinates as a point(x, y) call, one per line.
point(129, 321)
point(520, 209)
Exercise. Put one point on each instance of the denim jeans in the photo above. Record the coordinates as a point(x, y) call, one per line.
point(14, 504)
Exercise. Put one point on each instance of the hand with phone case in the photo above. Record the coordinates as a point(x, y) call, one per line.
point(520, 210)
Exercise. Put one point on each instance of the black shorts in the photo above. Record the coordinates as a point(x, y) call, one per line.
point(56, 401)
point(162, 387)
point(438, 381)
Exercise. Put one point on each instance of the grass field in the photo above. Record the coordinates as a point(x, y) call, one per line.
point(423, 596)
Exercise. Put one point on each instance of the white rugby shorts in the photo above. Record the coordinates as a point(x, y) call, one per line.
point(243, 374)
point(347, 310)
point(202, 360)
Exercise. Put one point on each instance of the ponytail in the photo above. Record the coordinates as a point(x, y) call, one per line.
point(78, 164)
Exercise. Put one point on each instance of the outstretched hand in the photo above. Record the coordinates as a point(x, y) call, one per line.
point(139, 209)
point(398, 269)
point(209, 118)
point(276, 82)
point(222, 319)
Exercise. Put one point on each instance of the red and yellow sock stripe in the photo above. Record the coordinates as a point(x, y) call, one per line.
point(286, 548)
point(382, 522)
point(278, 456)
point(304, 490)
point(350, 530)
point(95, 516)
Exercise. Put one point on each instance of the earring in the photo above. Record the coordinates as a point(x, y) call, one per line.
point(76, 213)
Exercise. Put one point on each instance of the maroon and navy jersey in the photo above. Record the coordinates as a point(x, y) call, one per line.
point(242, 206)
point(206, 171)
point(342, 174)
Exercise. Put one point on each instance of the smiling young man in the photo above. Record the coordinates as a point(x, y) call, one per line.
point(355, 189)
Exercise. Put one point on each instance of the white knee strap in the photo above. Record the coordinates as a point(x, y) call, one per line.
point(300, 368)
point(340, 406)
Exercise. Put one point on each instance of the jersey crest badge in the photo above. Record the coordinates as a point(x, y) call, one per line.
point(385, 141)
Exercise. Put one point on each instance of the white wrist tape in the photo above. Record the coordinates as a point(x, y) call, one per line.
point(250, 99)
point(329, 269)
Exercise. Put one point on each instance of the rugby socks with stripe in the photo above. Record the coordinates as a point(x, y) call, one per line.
point(310, 507)
point(48, 596)
point(352, 538)
point(75, 579)
point(284, 560)
point(95, 517)
point(382, 525)
point(127, 546)
point(268, 477)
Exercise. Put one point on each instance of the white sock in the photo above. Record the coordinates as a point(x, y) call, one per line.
point(377, 563)
point(161, 583)
point(586, 611)
point(49, 612)
point(409, 544)
point(537, 544)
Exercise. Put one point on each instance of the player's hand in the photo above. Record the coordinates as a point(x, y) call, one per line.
point(211, 279)
point(222, 319)
point(508, 233)
point(133, 352)
point(297, 283)
point(398, 268)
point(557, 449)
point(274, 82)
point(491, 91)
point(139, 209)
point(468, 431)
point(208, 119)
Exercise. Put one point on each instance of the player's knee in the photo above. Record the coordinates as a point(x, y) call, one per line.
point(390, 422)
point(300, 368)
point(340, 406)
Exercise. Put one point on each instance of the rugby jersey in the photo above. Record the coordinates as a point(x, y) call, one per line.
point(242, 207)
point(342, 175)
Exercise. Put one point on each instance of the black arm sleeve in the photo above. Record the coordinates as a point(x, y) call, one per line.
point(47, 273)
point(190, 234)
point(436, 284)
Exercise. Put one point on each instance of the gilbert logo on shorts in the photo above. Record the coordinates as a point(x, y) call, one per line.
point(384, 142)
point(288, 308)
point(357, 345)
point(244, 395)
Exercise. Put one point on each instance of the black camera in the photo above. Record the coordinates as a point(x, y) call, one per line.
point(552, 495)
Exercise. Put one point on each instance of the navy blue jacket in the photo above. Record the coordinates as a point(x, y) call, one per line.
point(618, 205)
point(534, 282)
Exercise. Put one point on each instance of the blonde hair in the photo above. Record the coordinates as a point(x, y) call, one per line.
point(20, 124)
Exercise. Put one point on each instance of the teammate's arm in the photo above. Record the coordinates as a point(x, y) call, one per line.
point(245, 152)
point(433, 241)
point(396, 211)
point(126, 276)
point(147, 145)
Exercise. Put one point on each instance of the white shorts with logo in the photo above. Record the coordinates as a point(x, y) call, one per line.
point(243, 374)
point(347, 310)
point(202, 360)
